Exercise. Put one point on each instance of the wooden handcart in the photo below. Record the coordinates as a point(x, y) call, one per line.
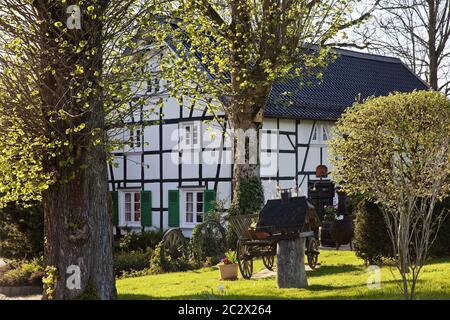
point(252, 244)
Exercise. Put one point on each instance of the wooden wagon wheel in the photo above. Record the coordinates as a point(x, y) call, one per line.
point(245, 260)
point(216, 229)
point(269, 260)
point(209, 240)
point(312, 252)
point(174, 244)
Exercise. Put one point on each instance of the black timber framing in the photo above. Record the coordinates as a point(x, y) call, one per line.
point(221, 149)
point(125, 183)
point(111, 175)
point(308, 146)
point(142, 139)
point(297, 123)
point(117, 184)
point(125, 165)
point(292, 144)
point(278, 155)
point(212, 180)
point(157, 152)
point(180, 154)
point(321, 155)
point(161, 163)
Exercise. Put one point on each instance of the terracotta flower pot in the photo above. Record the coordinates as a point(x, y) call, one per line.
point(228, 271)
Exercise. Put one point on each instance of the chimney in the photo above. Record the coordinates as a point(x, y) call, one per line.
point(285, 196)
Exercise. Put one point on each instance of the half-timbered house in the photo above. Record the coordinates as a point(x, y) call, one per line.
point(175, 163)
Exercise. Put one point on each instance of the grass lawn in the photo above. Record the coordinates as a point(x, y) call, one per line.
point(341, 276)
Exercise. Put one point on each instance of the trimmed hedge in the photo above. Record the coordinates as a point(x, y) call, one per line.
point(126, 262)
point(162, 264)
point(371, 241)
point(204, 246)
point(441, 247)
point(140, 241)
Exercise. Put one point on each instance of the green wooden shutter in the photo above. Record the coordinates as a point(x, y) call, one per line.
point(209, 197)
point(146, 208)
point(115, 207)
point(174, 208)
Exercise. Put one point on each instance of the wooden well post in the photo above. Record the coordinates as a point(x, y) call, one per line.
point(291, 272)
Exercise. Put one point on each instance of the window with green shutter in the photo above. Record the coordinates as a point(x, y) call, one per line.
point(209, 199)
point(115, 207)
point(174, 208)
point(146, 208)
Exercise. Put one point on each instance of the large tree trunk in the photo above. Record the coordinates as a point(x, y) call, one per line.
point(78, 225)
point(248, 195)
point(246, 154)
point(291, 271)
point(246, 157)
point(78, 232)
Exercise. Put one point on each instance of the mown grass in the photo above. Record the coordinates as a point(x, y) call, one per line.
point(341, 276)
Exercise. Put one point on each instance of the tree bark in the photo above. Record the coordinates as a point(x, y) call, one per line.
point(246, 161)
point(432, 45)
point(246, 154)
point(78, 231)
point(291, 271)
point(78, 224)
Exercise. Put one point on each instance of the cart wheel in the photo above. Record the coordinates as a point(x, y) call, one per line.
point(269, 259)
point(312, 253)
point(174, 244)
point(268, 262)
point(245, 260)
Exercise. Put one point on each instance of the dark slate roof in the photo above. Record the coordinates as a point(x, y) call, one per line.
point(283, 216)
point(352, 76)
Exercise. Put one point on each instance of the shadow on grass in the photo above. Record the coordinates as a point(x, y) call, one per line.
point(322, 271)
point(328, 291)
point(370, 295)
point(360, 291)
point(332, 270)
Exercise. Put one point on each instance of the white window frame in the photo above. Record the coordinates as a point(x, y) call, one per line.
point(182, 135)
point(183, 211)
point(136, 138)
point(318, 130)
point(122, 221)
point(327, 130)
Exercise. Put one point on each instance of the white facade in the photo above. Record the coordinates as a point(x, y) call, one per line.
point(181, 152)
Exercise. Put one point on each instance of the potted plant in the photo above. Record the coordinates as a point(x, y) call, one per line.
point(228, 266)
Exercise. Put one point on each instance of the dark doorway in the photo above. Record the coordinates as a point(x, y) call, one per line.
point(320, 194)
